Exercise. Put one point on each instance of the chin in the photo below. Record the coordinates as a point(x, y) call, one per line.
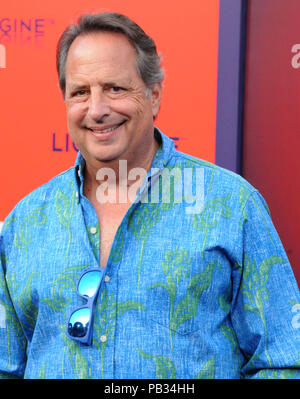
point(106, 158)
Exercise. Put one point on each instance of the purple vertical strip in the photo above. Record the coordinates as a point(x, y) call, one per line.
point(230, 92)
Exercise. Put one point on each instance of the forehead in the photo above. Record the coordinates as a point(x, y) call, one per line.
point(101, 49)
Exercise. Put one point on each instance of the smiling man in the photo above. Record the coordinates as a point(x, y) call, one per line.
point(109, 108)
point(136, 287)
point(110, 113)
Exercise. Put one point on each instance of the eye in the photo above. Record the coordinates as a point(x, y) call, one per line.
point(116, 89)
point(79, 93)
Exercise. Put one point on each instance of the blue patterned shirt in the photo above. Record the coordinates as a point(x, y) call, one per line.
point(206, 294)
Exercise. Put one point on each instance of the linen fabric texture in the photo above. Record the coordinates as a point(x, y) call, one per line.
point(209, 294)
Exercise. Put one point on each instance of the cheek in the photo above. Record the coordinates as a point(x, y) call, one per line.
point(75, 113)
point(141, 109)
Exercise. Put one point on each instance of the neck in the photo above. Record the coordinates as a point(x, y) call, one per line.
point(120, 175)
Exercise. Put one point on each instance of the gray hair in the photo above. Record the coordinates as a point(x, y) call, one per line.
point(148, 61)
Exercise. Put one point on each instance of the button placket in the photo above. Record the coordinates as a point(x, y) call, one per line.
point(93, 230)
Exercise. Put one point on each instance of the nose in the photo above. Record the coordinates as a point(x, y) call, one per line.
point(98, 106)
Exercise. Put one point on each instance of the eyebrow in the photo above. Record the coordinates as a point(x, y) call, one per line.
point(77, 87)
point(111, 84)
point(74, 87)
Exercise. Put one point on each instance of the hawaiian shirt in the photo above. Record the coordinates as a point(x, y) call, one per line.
point(193, 288)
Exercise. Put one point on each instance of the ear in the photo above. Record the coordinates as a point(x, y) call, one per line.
point(156, 92)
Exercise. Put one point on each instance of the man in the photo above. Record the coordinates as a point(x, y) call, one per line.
point(115, 268)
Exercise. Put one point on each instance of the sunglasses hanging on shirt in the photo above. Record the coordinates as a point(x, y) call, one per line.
point(80, 324)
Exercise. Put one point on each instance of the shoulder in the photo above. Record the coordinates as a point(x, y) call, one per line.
point(217, 180)
point(43, 196)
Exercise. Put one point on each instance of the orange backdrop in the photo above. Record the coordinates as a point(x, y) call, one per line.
point(35, 144)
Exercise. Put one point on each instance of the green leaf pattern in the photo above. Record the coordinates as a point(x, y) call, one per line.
point(208, 370)
point(78, 362)
point(176, 268)
point(63, 285)
point(243, 198)
point(107, 312)
point(64, 207)
point(27, 229)
point(210, 217)
point(12, 324)
point(164, 367)
point(254, 289)
point(177, 273)
point(146, 216)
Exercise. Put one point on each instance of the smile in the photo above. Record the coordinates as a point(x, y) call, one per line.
point(109, 129)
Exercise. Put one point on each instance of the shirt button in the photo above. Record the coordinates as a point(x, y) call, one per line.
point(93, 230)
point(103, 338)
point(106, 279)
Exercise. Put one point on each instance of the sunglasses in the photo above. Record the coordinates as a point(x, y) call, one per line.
point(80, 324)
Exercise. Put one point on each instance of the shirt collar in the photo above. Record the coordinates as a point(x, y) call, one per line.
point(160, 160)
point(165, 150)
point(79, 172)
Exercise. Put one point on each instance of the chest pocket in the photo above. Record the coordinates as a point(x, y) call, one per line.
point(178, 300)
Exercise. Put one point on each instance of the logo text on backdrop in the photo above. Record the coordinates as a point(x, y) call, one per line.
point(23, 31)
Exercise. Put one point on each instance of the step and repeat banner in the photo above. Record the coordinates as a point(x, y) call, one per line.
point(35, 143)
point(271, 136)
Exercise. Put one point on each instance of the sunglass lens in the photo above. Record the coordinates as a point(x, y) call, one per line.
point(79, 322)
point(89, 283)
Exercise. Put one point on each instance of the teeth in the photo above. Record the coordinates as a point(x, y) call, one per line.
point(105, 130)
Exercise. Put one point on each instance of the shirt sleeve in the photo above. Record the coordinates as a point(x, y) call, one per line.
point(266, 302)
point(12, 339)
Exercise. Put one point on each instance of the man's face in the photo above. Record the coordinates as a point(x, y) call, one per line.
point(109, 114)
